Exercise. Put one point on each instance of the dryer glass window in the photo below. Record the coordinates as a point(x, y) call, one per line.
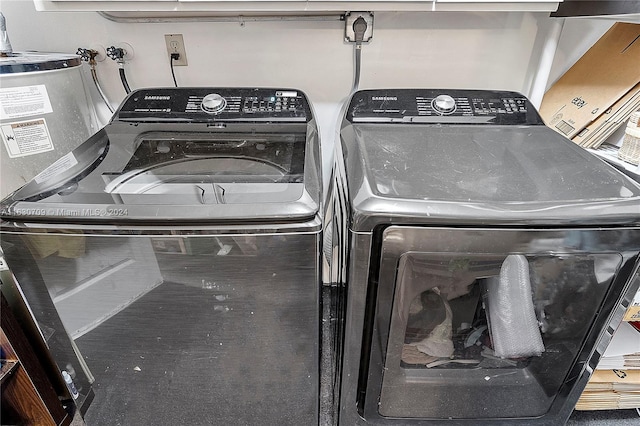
point(485, 333)
point(484, 328)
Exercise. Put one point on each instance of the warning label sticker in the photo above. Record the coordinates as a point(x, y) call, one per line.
point(26, 138)
point(63, 164)
point(25, 101)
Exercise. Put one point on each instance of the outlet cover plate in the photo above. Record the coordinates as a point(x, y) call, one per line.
point(175, 44)
point(350, 18)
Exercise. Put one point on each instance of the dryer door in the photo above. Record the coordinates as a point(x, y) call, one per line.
point(492, 324)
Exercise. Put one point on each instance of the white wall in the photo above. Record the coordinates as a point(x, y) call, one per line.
point(462, 50)
point(492, 50)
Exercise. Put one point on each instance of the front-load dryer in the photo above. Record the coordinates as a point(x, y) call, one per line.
point(179, 248)
point(479, 261)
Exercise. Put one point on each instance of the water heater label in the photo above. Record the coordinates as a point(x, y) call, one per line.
point(24, 101)
point(26, 138)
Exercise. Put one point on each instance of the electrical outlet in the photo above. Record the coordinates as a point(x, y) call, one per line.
point(350, 18)
point(175, 44)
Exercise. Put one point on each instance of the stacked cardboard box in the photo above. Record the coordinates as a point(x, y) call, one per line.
point(611, 389)
point(615, 384)
point(600, 91)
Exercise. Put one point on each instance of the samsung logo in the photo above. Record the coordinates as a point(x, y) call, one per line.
point(384, 98)
point(156, 98)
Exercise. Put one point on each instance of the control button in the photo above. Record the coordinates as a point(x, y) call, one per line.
point(444, 104)
point(213, 103)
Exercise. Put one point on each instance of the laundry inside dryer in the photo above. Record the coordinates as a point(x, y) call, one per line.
point(448, 325)
point(492, 322)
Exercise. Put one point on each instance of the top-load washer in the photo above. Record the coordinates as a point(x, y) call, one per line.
point(179, 248)
point(480, 262)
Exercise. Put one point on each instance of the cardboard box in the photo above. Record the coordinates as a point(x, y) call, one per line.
point(597, 132)
point(603, 75)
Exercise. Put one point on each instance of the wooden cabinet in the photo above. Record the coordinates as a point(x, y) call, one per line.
point(28, 396)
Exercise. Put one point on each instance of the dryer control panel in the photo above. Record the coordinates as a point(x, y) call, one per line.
point(203, 104)
point(441, 106)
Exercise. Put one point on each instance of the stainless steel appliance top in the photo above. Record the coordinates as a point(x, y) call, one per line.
point(186, 154)
point(436, 156)
point(19, 62)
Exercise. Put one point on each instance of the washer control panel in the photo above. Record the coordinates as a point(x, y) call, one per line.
point(441, 106)
point(215, 104)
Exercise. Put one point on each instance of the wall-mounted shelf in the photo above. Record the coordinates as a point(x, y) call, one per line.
point(178, 7)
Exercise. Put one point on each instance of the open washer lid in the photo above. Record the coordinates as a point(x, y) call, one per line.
point(473, 156)
point(173, 162)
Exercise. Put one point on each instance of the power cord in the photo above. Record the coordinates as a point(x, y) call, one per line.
point(359, 28)
point(174, 57)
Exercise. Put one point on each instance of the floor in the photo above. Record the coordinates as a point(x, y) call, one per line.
point(581, 418)
point(605, 418)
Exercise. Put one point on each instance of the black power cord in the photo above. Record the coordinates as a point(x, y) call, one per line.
point(174, 57)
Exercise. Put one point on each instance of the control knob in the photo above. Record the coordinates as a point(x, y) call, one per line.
point(213, 103)
point(444, 104)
